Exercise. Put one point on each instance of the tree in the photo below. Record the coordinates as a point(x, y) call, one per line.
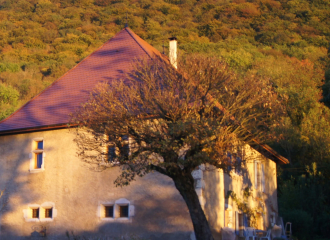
point(176, 120)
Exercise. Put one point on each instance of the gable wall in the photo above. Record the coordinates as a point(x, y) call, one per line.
point(217, 185)
point(76, 192)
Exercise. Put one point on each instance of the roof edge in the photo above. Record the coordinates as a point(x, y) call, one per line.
point(36, 129)
point(59, 79)
point(268, 152)
point(128, 30)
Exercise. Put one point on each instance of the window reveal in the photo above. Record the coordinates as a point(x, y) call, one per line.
point(49, 213)
point(108, 211)
point(46, 212)
point(35, 213)
point(123, 211)
point(38, 160)
point(119, 210)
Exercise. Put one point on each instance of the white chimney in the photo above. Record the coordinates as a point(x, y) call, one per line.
point(173, 52)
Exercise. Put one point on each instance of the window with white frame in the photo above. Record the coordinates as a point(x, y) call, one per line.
point(121, 209)
point(35, 213)
point(37, 156)
point(106, 211)
point(40, 213)
point(46, 212)
point(259, 176)
point(239, 223)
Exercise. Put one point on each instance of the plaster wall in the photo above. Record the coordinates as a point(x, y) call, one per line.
point(76, 193)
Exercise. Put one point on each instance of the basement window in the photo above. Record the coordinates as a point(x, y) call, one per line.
point(123, 211)
point(108, 211)
point(120, 210)
point(49, 213)
point(40, 213)
point(35, 213)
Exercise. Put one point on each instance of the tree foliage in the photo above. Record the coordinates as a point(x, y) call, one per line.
point(285, 42)
point(176, 120)
point(42, 39)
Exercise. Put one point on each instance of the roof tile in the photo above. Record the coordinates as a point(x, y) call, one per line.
point(54, 105)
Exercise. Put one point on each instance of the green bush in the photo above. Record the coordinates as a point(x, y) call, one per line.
point(9, 67)
point(302, 223)
point(8, 95)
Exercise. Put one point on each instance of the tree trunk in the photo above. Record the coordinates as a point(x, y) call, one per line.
point(185, 185)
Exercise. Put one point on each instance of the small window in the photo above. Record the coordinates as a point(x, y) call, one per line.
point(35, 213)
point(37, 156)
point(112, 153)
point(45, 212)
point(49, 213)
point(108, 211)
point(40, 145)
point(123, 211)
point(38, 160)
point(120, 210)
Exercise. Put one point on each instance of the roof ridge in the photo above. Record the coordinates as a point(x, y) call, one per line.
point(128, 30)
point(60, 78)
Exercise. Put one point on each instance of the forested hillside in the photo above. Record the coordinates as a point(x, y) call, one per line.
point(283, 41)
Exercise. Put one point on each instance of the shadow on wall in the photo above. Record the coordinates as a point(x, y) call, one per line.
point(217, 185)
point(160, 212)
point(14, 160)
point(156, 218)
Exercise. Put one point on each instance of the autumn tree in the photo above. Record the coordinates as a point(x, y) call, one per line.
point(175, 121)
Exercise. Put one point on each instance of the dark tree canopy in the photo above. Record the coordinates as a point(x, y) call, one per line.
point(174, 121)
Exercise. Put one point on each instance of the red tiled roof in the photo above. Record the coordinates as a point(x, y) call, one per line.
point(54, 105)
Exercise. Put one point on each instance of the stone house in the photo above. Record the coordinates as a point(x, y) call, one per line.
point(48, 192)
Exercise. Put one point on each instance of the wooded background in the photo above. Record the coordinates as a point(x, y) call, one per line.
point(286, 42)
